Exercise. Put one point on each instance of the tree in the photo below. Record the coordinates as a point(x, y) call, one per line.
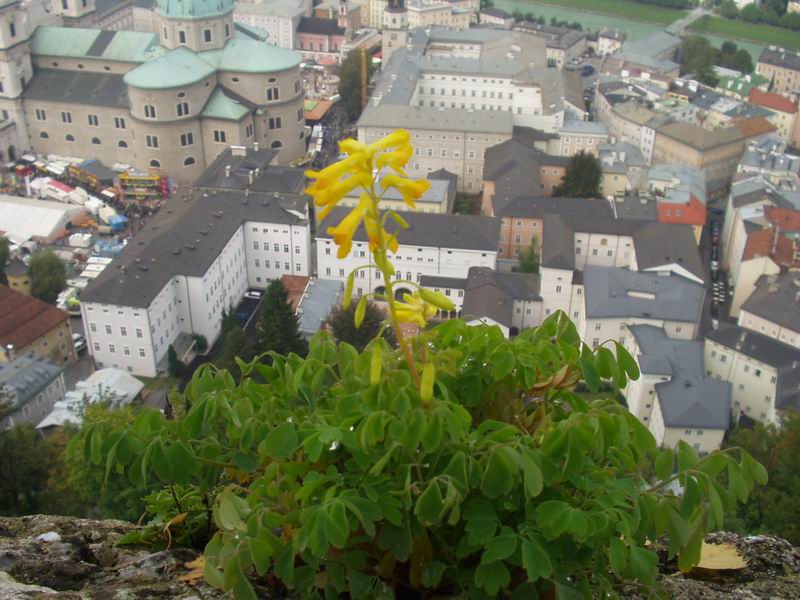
point(344, 329)
point(698, 57)
point(487, 4)
point(25, 461)
point(350, 83)
point(48, 276)
point(582, 178)
point(529, 258)
point(235, 344)
point(279, 328)
point(229, 321)
point(728, 47)
point(517, 15)
point(174, 366)
point(742, 61)
point(729, 10)
point(772, 508)
point(200, 343)
point(4, 254)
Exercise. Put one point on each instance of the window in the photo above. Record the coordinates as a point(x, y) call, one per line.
point(151, 141)
point(219, 136)
point(111, 348)
point(273, 94)
point(141, 352)
point(773, 379)
point(44, 135)
point(188, 162)
point(96, 141)
point(274, 122)
point(249, 131)
point(122, 144)
point(12, 28)
point(155, 164)
point(93, 121)
point(138, 332)
point(181, 37)
point(149, 111)
point(126, 350)
point(207, 36)
point(187, 139)
point(123, 330)
point(96, 347)
point(66, 117)
point(286, 247)
point(276, 145)
point(41, 115)
point(119, 122)
point(183, 109)
point(227, 30)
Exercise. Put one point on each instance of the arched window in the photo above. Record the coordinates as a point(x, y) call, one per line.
point(155, 164)
point(122, 144)
point(69, 137)
point(276, 145)
point(44, 135)
point(149, 111)
point(96, 141)
point(188, 161)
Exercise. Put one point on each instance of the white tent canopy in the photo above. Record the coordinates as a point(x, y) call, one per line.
point(29, 218)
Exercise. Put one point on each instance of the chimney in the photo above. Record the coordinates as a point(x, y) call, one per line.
point(227, 171)
point(742, 338)
point(9, 352)
point(255, 146)
point(250, 177)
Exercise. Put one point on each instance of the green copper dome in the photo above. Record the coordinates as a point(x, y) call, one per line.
point(193, 9)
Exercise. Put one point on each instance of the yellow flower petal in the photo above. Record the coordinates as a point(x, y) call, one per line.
point(401, 137)
point(411, 190)
point(351, 146)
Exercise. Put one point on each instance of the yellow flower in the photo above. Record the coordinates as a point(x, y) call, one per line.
point(344, 231)
point(396, 159)
point(411, 190)
point(397, 139)
point(329, 196)
point(351, 146)
point(414, 310)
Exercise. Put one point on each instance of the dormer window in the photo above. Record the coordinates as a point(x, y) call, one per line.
point(181, 37)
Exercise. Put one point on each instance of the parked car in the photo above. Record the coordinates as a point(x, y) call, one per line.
point(79, 342)
point(715, 265)
point(716, 211)
point(253, 294)
point(587, 70)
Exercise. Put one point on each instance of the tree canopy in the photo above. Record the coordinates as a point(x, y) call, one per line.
point(342, 323)
point(279, 328)
point(350, 83)
point(582, 177)
point(48, 276)
point(235, 343)
point(529, 258)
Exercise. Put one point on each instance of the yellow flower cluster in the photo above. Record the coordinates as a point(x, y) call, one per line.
point(363, 164)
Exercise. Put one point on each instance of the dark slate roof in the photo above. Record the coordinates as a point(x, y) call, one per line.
point(784, 358)
point(492, 293)
point(777, 299)
point(529, 136)
point(689, 398)
point(658, 244)
point(434, 281)
point(72, 87)
point(558, 245)
point(612, 292)
point(452, 178)
point(16, 268)
point(319, 26)
point(463, 232)
point(536, 207)
point(495, 12)
point(514, 168)
point(781, 58)
point(27, 375)
point(184, 238)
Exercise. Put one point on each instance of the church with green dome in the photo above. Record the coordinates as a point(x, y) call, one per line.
point(171, 100)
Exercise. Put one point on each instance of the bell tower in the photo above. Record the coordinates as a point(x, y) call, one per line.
point(197, 24)
point(395, 28)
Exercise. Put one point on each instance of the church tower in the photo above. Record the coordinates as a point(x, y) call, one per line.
point(73, 10)
point(197, 24)
point(395, 28)
point(16, 70)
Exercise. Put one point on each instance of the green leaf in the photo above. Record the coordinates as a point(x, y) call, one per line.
point(500, 547)
point(361, 309)
point(246, 462)
point(348, 290)
point(536, 560)
point(228, 511)
point(212, 575)
point(492, 577)
point(605, 363)
point(532, 475)
point(242, 589)
point(617, 555)
point(715, 506)
point(553, 517)
point(690, 555)
point(687, 456)
point(429, 505)
point(664, 464)
point(503, 363)
point(590, 375)
point(260, 552)
point(184, 464)
point(336, 524)
point(676, 527)
point(756, 469)
point(160, 462)
point(627, 362)
point(358, 584)
point(281, 441)
point(566, 591)
point(432, 573)
point(498, 476)
point(643, 564)
point(432, 433)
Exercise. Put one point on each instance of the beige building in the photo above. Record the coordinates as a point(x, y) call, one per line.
point(782, 68)
point(30, 325)
point(764, 373)
point(170, 101)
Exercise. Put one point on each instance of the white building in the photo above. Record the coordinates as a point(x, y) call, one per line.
point(673, 396)
point(433, 245)
point(192, 262)
point(764, 373)
point(773, 309)
point(279, 18)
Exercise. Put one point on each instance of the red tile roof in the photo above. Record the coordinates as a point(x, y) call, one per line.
point(295, 285)
point(772, 100)
point(23, 318)
point(753, 126)
point(783, 218)
point(764, 243)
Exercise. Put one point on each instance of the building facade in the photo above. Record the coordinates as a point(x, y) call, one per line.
point(29, 387)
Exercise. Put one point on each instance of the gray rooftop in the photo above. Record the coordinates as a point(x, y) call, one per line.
point(184, 238)
point(662, 244)
point(320, 296)
point(432, 230)
point(536, 207)
point(784, 358)
point(450, 119)
point(777, 299)
point(619, 293)
point(25, 376)
point(75, 87)
point(787, 59)
point(491, 293)
point(689, 399)
point(434, 281)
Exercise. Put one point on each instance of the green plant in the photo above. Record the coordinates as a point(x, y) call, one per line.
point(461, 463)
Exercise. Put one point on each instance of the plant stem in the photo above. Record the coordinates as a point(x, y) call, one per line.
point(669, 480)
point(175, 498)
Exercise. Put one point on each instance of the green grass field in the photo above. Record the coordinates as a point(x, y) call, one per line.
point(618, 8)
point(765, 34)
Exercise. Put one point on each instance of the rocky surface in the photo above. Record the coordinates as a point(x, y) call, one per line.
point(47, 557)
